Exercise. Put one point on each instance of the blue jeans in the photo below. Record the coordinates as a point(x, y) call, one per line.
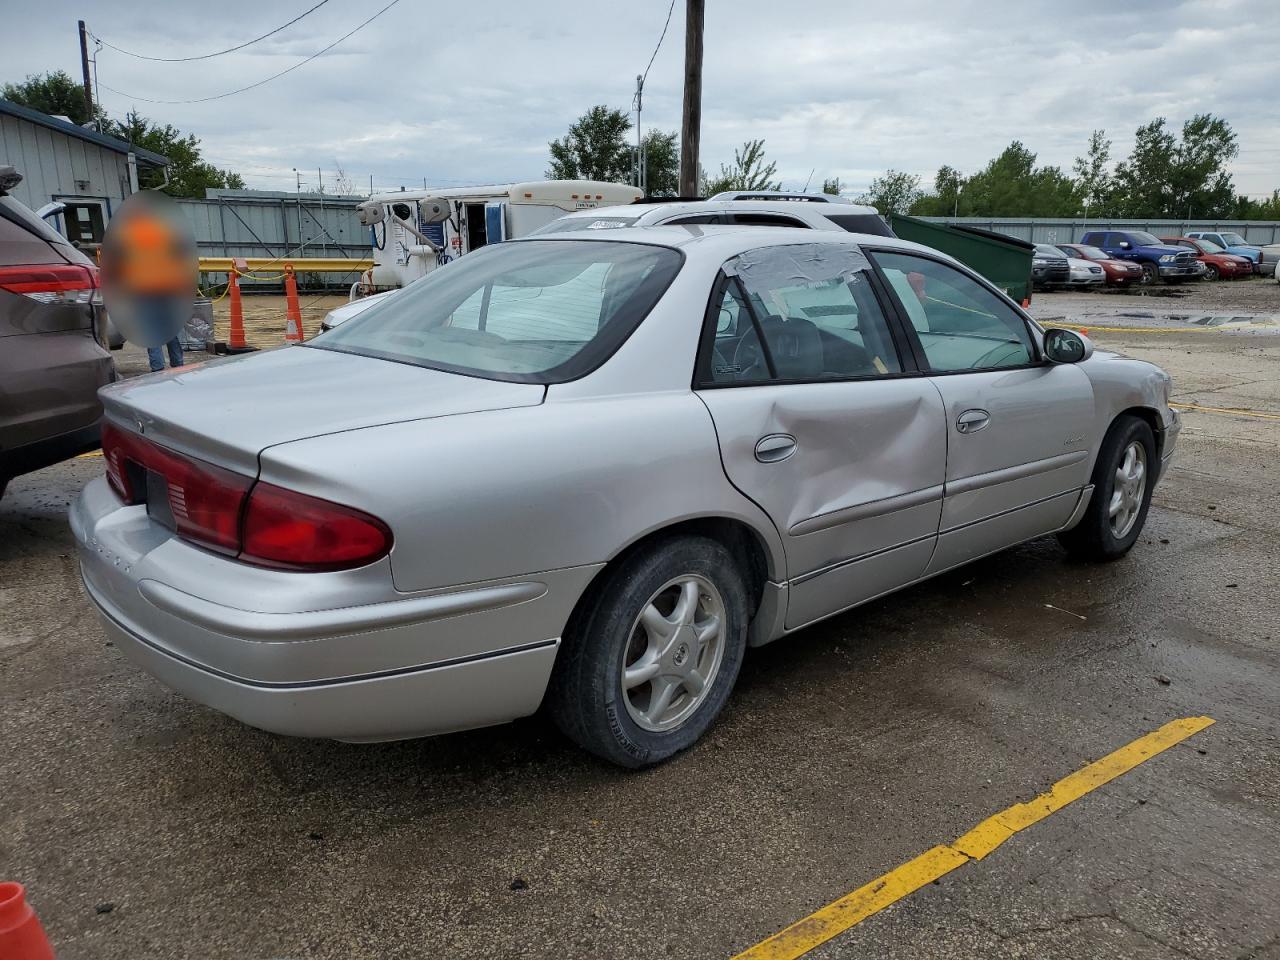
point(155, 355)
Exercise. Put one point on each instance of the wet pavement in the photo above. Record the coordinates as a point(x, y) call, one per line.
point(147, 826)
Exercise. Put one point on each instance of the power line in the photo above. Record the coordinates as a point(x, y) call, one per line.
point(659, 46)
point(207, 56)
point(274, 76)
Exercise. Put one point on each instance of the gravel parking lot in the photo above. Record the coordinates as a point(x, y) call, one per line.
point(147, 826)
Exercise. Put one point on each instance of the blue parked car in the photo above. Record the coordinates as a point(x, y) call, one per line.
point(1233, 243)
point(1158, 260)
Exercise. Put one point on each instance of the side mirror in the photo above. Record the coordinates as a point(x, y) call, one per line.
point(1066, 346)
point(1124, 245)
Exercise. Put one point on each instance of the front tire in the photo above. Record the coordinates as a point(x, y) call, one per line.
point(1211, 272)
point(1123, 478)
point(646, 666)
point(1150, 274)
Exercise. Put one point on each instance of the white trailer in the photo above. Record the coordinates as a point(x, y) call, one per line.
point(415, 231)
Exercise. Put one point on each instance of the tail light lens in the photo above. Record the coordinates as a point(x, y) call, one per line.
point(230, 513)
point(293, 531)
point(205, 499)
point(51, 282)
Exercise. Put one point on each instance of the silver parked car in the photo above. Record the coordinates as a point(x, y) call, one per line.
point(591, 469)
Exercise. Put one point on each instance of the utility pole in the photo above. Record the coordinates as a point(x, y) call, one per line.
point(638, 167)
point(84, 69)
point(691, 125)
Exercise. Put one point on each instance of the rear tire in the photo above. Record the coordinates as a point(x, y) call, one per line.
point(1123, 479)
point(644, 668)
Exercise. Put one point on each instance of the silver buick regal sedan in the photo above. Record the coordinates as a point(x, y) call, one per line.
point(591, 470)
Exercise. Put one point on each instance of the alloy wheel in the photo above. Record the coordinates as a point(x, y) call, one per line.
point(1128, 490)
point(674, 652)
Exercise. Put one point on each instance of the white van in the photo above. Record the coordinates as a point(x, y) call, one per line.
point(415, 231)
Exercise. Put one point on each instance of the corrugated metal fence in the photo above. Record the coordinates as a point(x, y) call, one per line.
point(1066, 230)
point(279, 225)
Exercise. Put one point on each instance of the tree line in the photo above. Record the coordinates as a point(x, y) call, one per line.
point(1167, 176)
point(56, 94)
point(598, 147)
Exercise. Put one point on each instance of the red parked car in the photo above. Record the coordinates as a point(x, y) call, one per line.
point(1118, 273)
point(1217, 262)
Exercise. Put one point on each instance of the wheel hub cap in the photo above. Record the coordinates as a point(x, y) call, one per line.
point(673, 653)
point(1129, 487)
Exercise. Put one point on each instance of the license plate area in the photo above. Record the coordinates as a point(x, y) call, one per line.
point(159, 507)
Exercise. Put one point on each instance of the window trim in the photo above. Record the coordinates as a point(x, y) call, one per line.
point(1034, 331)
point(907, 359)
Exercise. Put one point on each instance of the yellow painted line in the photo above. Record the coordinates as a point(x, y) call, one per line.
point(89, 455)
point(1233, 411)
point(838, 916)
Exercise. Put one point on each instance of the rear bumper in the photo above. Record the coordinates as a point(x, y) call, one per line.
point(45, 453)
point(339, 655)
point(437, 699)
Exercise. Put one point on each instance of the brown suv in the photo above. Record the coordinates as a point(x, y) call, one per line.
point(51, 363)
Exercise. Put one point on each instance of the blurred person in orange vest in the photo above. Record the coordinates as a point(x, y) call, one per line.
point(149, 271)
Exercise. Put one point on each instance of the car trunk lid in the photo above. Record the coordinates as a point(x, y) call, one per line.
point(228, 411)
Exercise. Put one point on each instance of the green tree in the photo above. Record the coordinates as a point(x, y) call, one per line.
point(1171, 176)
point(1012, 186)
point(945, 200)
point(748, 172)
point(1093, 179)
point(54, 93)
point(189, 173)
point(595, 148)
point(662, 163)
point(893, 192)
point(831, 186)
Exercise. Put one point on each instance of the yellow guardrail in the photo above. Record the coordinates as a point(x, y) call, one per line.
point(274, 264)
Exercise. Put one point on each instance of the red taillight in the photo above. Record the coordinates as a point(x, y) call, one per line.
point(51, 282)
point(293, 531)
point(205, 499)
point(225, 511)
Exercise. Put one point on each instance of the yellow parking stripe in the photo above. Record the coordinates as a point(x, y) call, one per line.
point(837, 917)
point(89, 455)
point(1233, 411)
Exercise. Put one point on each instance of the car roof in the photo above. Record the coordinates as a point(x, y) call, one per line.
point(726, 240)
point(656, 211)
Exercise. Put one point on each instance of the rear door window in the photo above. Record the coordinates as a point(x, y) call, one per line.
point(804, 312)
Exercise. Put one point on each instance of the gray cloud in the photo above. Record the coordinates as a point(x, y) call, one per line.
point(472, 93)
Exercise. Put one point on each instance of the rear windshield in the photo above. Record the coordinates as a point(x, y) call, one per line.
point(528, 311)
point(860, 223)
point(565, 224)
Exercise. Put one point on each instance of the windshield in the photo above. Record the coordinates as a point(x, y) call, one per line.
point(1145, 239)
point(584, 223)
point(1235, 240)
point(1208, 246)
point(528, 311)
point(1045, 250)
point(1092, 253)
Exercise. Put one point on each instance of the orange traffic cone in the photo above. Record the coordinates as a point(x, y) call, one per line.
point(236, 342)
point(21, 936)
point(293, 325)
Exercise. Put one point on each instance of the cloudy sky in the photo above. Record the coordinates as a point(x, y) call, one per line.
point(471, 92)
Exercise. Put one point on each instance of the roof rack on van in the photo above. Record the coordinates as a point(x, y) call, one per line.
point(781, 195)
point(667, 199)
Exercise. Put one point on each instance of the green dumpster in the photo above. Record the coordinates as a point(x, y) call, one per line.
point(1004, 260)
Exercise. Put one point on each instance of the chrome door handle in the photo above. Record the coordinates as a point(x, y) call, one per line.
point(971, 421)
point(775, 448)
